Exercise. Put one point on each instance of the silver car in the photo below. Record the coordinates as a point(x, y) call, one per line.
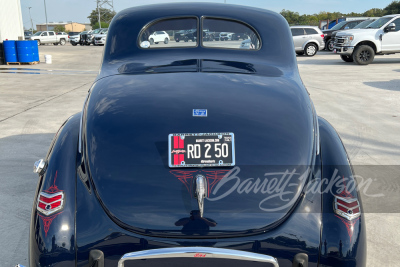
point(307, 40)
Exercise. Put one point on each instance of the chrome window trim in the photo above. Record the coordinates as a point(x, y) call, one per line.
point(197, 252)
point(316, 130)
point(80, 125)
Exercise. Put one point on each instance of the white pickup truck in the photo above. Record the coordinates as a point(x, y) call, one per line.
point(379, 38)
point(49, 37)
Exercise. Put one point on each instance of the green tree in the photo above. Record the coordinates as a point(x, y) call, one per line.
point(106, 15)
point(392, 8)
point(59, 28)
point(290, 16)
point(294, 18)
point(373, 12)
point(103, 25)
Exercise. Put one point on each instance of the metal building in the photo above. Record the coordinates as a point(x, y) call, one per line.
point(11, 25)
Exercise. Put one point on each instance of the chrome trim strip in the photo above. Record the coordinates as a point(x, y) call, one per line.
point(317, 137)
point(80, 126)
point(316, 130)
point(197, 252)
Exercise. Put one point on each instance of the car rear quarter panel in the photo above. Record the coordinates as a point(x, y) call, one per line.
point(343, 242)
point(52, 238)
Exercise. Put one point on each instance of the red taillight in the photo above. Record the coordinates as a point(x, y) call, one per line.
point(50, 203)
point(50, 200)
point(323, 35)
point(68, 36)
point(348, 208)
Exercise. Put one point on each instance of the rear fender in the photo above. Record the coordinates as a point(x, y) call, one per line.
point(343, 242)
point(52, 236)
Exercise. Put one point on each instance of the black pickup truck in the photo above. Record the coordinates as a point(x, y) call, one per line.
point(186, 35)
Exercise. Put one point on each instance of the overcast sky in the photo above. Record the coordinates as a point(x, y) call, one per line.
point(78, 10)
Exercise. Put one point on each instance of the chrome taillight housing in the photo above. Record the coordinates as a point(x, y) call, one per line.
point(346, 207)
point(50, 203)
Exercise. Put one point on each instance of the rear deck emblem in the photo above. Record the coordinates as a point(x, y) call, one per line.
point(199, 112)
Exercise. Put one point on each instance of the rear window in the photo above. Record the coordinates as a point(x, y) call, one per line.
point(297, 31)
point(183, 32)
point(170, 33)
point(310, 31)
point(229, 34)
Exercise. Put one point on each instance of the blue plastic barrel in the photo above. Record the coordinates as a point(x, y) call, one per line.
point(35, 50)
point(10, 51)
point(24, 51)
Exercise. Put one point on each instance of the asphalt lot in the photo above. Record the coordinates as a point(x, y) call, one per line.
point(361, 102)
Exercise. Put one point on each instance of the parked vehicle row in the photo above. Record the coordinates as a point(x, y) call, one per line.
point(95, 37)
point(48, 37)
point(208, 36)
point(361, 25)
point(100, 38)
point(381, 37)
point(355, 41)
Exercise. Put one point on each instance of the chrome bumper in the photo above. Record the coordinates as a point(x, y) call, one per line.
point(197, 252)
point(343, 50)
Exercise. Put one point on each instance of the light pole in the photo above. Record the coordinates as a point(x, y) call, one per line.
point(45, 12)
point(31, 19)
point(98, 10)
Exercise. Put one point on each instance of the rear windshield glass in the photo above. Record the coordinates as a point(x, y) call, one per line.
point(170, 33)
point(229, 34)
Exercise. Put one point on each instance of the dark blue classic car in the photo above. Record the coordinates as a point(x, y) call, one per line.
point(197, 153)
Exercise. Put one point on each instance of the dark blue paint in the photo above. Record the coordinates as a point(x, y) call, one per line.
point(126, 198)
